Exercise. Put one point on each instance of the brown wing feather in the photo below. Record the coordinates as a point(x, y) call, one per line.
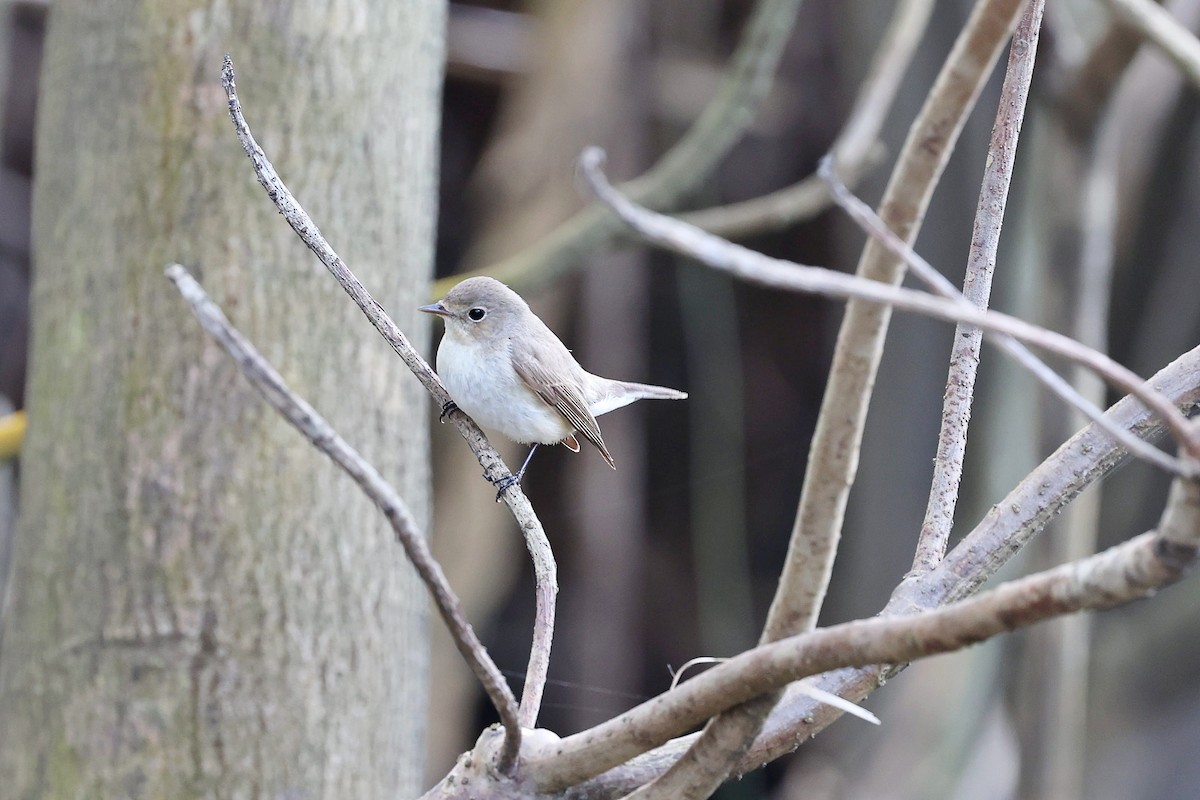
point(566, 398)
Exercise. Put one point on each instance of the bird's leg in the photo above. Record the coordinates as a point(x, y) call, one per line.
point(448, 407)
point(512, 480)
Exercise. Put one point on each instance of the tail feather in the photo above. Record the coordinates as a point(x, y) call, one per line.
point(651, 392)
point(618, 394)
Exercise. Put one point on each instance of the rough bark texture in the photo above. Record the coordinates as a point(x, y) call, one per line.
point(201, 604)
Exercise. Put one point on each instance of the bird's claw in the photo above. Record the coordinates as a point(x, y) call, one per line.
point(504, 484)
point(448, 407)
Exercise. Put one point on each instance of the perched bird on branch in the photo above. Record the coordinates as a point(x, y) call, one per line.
point(511, 374)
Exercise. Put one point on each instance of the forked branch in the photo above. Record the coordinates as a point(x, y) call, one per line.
point(959, 396)
point(1084, 459)
point(268, 382)
point(1129, 571)
point(833, 453)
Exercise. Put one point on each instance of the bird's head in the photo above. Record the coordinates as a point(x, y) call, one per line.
point(480, 309)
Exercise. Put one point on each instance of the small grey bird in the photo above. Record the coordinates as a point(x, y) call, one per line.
point(510, 373)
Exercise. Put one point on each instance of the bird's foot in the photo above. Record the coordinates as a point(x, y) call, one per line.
point(448, 407)
point(507, 482)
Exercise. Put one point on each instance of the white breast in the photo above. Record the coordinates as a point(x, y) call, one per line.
point(483, 383)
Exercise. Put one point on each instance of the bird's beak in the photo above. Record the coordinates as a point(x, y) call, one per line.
point(436, 308)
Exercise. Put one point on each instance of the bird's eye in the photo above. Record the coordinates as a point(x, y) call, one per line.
point(477, 314)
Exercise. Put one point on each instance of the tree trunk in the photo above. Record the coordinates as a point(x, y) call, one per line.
point(201, 604)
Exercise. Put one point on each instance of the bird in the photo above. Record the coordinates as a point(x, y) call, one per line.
point(510, 373)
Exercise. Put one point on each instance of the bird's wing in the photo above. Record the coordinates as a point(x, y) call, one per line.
point(563, 394)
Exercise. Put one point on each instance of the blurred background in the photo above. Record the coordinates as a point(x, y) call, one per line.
point(676, 554)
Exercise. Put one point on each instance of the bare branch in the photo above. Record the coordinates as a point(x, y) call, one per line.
point(545, 573)
point(679, 171)
point(312, 425)
point(494, 468)
point(707, 763)
point(1132, 570)
point(1164, 31)
point(1085, 458)
point(756, 268)
point(1041, 496)
point(833, 455)
point(856, 148)
point(977, 288)
point(861, 213)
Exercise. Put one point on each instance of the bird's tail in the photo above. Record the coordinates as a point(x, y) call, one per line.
point(649, 392)
point(617, 394)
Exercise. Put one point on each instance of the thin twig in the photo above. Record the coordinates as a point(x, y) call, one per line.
point(1129, 571)
point(1164, 31)
point(776, 273)
point(1084, 459)
point(861, 213)
point(833, 454)
point(679, 171)
point(1073, 167)
point(856, 148)
point(493, 466)
point(977, 289)
point(1040, 497)
point(545, 573)
point(812, 691)
point(312, 425)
